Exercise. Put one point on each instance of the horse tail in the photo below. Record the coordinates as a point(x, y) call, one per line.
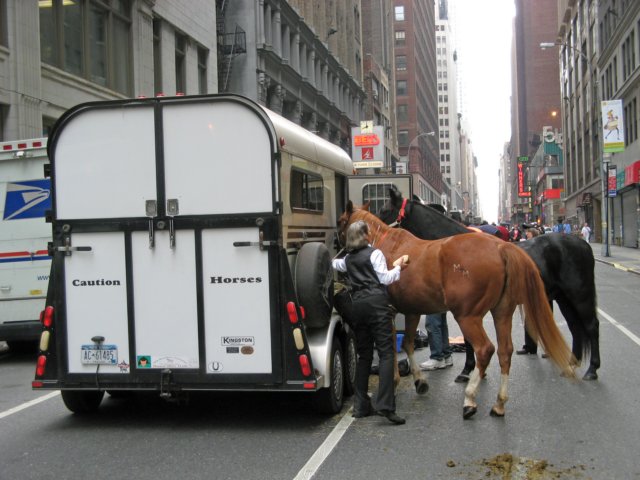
point(524, 283)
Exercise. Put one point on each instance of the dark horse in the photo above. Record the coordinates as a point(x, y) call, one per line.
point(565, 262)
point(468, 275)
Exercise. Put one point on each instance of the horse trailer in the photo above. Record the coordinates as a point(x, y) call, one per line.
point(25, 197)
point(192, 245)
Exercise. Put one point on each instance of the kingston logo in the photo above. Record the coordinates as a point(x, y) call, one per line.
point(236, 341)
point(236, 279)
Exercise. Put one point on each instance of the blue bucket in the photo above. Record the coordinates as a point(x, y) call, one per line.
point(399, 337)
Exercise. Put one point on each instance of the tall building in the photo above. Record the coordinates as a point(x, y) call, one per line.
point(56, 54)
point(416, 95)
point(379, 74)
point(448, 120)
point(303, 60)
point(598, 54)
point(535, 101)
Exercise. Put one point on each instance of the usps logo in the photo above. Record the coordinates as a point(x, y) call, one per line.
point(28, 199)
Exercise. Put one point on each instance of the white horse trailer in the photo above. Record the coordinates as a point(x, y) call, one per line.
point(192, 239)
point(25, 198)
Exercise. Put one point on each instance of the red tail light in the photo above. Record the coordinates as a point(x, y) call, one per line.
point(293, 314)
point(304, 365)
point(47, 316)
point(303, 312)
point(40, 365)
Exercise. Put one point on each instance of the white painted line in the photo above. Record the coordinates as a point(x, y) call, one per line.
point(324, 450)
point(622, 328)
point(28, 404)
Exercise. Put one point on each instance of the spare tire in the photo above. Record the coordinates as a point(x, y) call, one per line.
point(314, 283)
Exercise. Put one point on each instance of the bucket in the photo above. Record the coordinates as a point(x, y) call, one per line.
point(399, 337)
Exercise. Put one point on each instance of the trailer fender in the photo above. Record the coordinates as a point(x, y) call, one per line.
point(320, 341)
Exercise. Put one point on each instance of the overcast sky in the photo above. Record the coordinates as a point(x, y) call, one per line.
point(484, 31)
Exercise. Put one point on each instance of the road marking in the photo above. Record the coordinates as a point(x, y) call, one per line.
point(622, 328)
point(28, 404)
point(323, 451)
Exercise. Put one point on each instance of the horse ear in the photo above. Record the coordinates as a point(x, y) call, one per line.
point(366, 206)
point(394, 193)
point(349, 208)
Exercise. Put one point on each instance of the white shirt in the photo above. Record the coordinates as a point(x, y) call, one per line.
point(385, 276)
point(586, 232)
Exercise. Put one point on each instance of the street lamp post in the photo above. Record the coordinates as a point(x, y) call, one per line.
point(606, 158)
point(545, 45)
point(423, 134)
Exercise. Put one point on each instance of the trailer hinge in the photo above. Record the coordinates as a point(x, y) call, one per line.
point(67, 248)
point(165, 380)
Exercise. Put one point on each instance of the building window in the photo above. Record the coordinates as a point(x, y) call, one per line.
point(3, 22)
point(399, 13)
point(401, 87)
point(157, 55)
point(203, 57)
point(181, 67)
point(403, 138)
point(631, 122)
point(307, 191)
point(401, 62)
point(403, 113)
point(90, 39)
point(400, 37)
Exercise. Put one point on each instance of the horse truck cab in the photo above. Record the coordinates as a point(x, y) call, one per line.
point(192, 245)
point(24, 234)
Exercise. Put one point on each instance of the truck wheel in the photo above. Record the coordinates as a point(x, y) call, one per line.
point(82, 401)
point(350, 362)
point(330, 399)
point(314, 283)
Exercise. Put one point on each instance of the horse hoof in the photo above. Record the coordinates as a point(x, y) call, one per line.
point(468, 412)
point(422, 387)
point(493, 413)
point(462, 378)
point(590, 376)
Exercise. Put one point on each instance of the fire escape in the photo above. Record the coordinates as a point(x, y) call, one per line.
point(230, 45)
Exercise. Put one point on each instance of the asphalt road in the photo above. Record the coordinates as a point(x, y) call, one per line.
point(554, 428)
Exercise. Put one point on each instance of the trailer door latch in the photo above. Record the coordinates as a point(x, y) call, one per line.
point(67, 248)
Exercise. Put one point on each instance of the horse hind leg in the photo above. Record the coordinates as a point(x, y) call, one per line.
point(484, 350)
point(505, 351)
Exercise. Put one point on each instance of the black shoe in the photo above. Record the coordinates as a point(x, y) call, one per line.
point(392, 417)
point(525, 351)
point(363, 414)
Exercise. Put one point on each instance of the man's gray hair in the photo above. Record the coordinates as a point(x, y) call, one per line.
point(357, 235)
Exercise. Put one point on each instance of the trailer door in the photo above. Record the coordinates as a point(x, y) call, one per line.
point(220, 164)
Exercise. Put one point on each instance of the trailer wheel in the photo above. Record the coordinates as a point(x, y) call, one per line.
point(314, 283)
point(350, 362)
point(82, 401)
point(330, 399)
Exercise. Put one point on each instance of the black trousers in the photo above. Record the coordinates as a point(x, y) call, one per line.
point(373, 319)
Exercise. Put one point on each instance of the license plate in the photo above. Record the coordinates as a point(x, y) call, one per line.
point(99, 355)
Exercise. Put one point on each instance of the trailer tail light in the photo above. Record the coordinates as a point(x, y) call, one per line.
point(37, 384)
point(47, 316)
point(305, 366)
point(293, 314)
point(303, 312)
point(41, 365)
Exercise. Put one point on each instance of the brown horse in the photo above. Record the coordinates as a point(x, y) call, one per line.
point(468, 275)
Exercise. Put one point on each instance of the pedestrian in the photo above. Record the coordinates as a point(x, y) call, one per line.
point(586, 232)
point(516, 234)
point(367, 271)
point(531, 232)
point(440, 356)
point(567, 227)
point(558, 227)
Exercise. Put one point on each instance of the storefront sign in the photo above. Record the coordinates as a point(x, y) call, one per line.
point(612, 181)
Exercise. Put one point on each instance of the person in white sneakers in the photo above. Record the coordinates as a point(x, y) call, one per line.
point(438, 342)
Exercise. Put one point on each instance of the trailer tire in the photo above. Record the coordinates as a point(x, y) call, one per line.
point(82, 401)
point(314, 283)
point(331, 398)
point(350, 361)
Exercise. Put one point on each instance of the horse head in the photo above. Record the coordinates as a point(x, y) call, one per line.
point(346, 219)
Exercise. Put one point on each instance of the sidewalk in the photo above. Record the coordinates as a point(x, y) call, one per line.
point(623, 258)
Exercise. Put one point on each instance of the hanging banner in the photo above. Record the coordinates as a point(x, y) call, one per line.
point(523, 176)
point(612, 126)
point(612, 181)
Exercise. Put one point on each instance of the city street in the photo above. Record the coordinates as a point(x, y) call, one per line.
point(554, 427)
